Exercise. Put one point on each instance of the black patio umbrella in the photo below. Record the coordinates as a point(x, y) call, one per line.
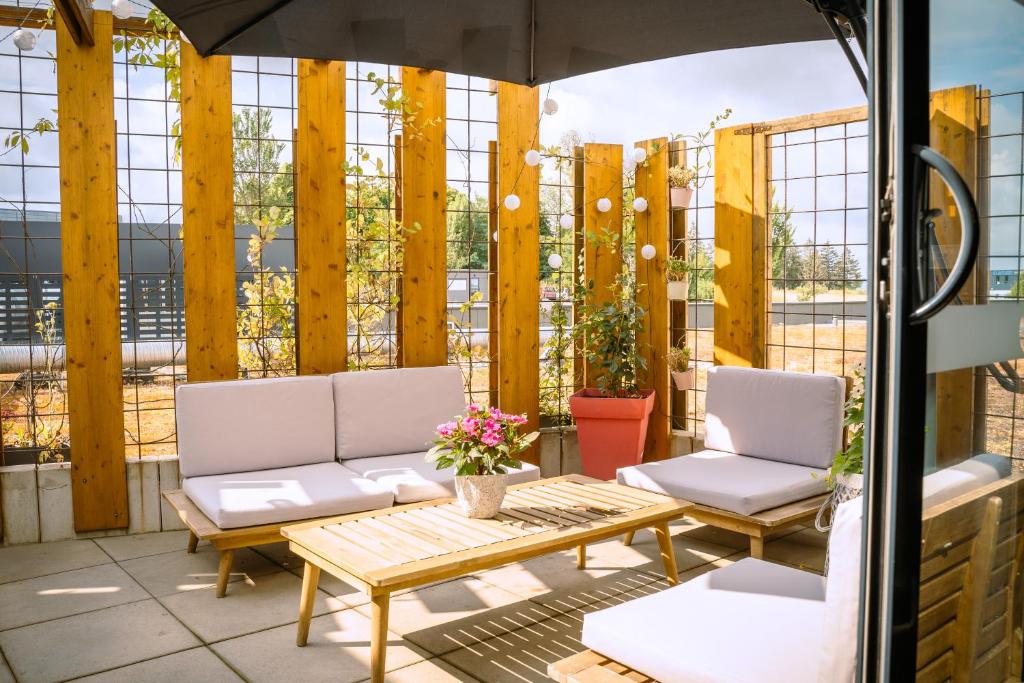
point(520, 41)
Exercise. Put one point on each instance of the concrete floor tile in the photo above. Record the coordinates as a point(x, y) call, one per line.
point(279, 554)
point(140, 545)
point(595, 590)
point(542, 575)
point(429, 671)
point(5, 671)
point(19, 562)
point(338, 651)
point(178, 571)
point(198, 664)
point(61, 595)
point(93, 642)
point(444, 638)
point(271, 601)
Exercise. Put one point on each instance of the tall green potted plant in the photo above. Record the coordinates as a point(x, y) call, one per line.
point(611, 416)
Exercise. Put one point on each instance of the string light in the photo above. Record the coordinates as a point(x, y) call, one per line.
point(494, 235)
point(555, 261)
point(122, 9)
point(604, 205)
point(640, 204)
point(639, 155)
point(512, 202)
point(566, 221)
point(550, 106)
point(648, 252)
point(24, 40)
point(532, 157)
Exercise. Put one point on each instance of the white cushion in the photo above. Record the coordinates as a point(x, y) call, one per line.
point(750, 621)
point(412, 479)
point(786, 416)
point(842, 595)
point(284, 495)
point(255, 424)
point(738, 483)
point(384, 412)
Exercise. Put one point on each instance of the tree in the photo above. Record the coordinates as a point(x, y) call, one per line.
point(262, 180)
point(467, 231)
point(851, 269)
point(829, 266)
point(786, 262)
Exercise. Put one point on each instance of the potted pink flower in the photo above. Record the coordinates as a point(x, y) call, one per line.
point(480, 447)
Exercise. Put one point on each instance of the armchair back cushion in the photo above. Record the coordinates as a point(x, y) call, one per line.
point(255, 424)
point(783, 416)
point(387, 412)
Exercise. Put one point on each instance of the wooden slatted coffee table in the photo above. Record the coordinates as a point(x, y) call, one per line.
point(382, 551)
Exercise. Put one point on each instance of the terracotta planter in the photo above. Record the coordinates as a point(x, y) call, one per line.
point(480, 495)
point(611, 431)
point(680, 197)
point(678, 289)
point(684, 380)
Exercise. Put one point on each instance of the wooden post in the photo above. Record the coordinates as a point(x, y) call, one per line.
point(424, 299)
point(492, 267)
point(519, 258)
point(954, 134)
point(208, 209)
point(578, 250)
point(79, 20)
point(602, 178)
point(652, 227)
point(92, 316)
point(740, 212)
point(320, 218)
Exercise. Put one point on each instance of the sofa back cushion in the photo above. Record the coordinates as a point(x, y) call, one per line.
point(255, 424)
point(784, 416)
point(386, 412)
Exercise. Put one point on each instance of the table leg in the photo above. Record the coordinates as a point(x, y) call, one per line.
point(668, 555)
point(310, 579)
point(193, 541)
point(581, 557)
point(224, 571)
point(627, 538)
point(757, 547)
point(379, 603)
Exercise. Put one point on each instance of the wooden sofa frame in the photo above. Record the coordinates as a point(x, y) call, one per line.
point(976, 641)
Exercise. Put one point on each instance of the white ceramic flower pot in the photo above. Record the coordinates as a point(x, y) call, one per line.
point(680, 197)
point(684, 380)
point(678, 289)
point(480, 495)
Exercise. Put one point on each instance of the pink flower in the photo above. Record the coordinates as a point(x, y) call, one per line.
point(474, 408)
point(518, 419)
point(492, 425)
point(447, 428)
point(491, 438)
point(470, 424)
point(496, 414)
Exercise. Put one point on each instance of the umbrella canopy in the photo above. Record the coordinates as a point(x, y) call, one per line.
point(520, 41)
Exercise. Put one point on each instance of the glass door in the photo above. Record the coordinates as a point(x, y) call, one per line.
point(946, 396)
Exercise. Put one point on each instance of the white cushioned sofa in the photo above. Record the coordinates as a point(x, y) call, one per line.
point(257, 454)
point(792, 626)
point(770, 437)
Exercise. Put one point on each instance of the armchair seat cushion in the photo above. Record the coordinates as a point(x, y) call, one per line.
point(412, 479)
point(738, 483)
point(772, 613)
point(284, 495)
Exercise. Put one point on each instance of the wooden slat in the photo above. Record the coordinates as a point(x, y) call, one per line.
point(652, 227)
point(321, 289)
point(208, 221)
point(88, 184)
point(602, 178)
point(519, 258)
point(739, 227)
point(424, 215)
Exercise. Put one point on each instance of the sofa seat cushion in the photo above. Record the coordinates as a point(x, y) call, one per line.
point(749, 621)
point(412, 479)
point(791, 417)
point(254, 424)
point(389, 412)
point(284, 495)
point(737, 483)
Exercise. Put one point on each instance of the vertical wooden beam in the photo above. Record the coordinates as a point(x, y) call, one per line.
point(519, 257)
point(739, 246)
point(492, 266)
point(602, 260)
point(92, 317)
point(424, 214)
point(578, 250)
point(652, 227)
point(208, 223)
point(954, 134)
point(320, 218)
point(78, 18)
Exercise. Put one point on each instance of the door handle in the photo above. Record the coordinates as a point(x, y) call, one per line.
point(970, 229)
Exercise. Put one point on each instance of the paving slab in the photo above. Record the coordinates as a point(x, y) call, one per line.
point(338, 651)
point(61, 595)
point(19, 562)
point(542, 575)
point(178, 571)
point(140, 545)
point(198, 664)
point(93, 642)
point(5, 672)
point(430, 671)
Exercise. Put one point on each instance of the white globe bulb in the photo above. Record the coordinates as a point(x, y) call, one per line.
point(532, 157)
point(494, 235)
point(550, 106)
point(604, 205)
point(555, 261)
point(648, 251)
point(122, 9)
point(628, 162)
point(639, 204)
point(181, 34)
point(512, 202)
point(567, 221)
point(639, 155)
point(24, 40)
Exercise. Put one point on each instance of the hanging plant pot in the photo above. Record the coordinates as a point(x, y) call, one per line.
point(678, 290)
point(680, 197)
point(611, 431)
point(687, 379)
